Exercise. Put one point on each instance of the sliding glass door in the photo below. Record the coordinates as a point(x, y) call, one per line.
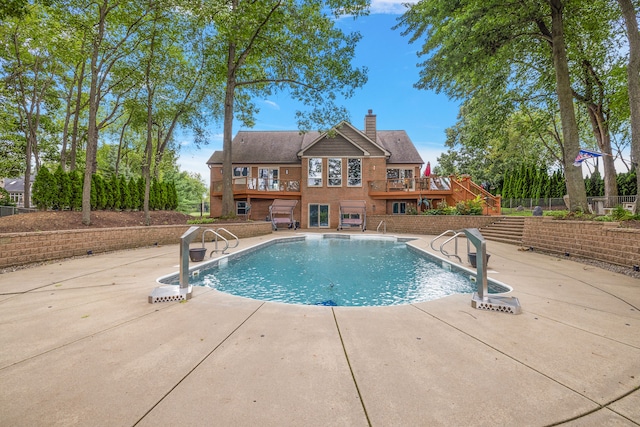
point(318, 215)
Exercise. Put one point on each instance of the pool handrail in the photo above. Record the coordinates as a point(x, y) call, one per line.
point(230, 234)
point(216, 234)
point(454, 237)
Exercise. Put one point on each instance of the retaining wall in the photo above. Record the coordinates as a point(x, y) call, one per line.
point(428, 224)
point(25, 248)
point(589, 239)
point(601, 241)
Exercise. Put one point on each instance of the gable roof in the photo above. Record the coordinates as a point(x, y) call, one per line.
point(347, 139)
point(286, 147)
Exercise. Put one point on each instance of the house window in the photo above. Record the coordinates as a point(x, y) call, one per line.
point(334, 173)
point(401, 178)
point(268, 179)
point(315, 172)
point(355, 172)
point(399, 208)
point(318, 215)
point(240, 171)
point(399, 173)
point(242, 208)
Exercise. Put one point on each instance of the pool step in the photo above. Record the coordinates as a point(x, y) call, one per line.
point(509, 229)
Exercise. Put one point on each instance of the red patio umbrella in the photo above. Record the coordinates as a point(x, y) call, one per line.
point(427, 170)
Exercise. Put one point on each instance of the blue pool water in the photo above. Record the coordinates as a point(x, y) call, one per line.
point(336, 271)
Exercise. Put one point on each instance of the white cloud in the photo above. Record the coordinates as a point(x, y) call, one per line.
point(390, 6)
point(272, 104)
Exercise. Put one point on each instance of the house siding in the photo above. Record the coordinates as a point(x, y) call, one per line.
point(333, 147)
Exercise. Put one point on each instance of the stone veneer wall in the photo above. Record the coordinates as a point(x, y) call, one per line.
point(25, 248)
point(428, 224)
point(601, 241)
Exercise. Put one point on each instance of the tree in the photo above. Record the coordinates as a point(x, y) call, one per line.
point(629, 14)
point(115, 24)
point(175, 83)
point(29, 67)
point(44, 189)
point(275, 45)
point(13, 8)
point(507, 51)
point(570, 136)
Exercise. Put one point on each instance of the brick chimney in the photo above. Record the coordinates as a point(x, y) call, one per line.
point(370, 125)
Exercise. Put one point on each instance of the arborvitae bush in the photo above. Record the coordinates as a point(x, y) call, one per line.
point(94, 194)
point(76, 178)
point(134, 195)
point(627, 184)
point(141, 190)
point(115, 193)
point(63, 193)
point(100, 188)
point(5, 198)
point(173, 196)
point(125, 196)
point(44, 189)
point(154, 195)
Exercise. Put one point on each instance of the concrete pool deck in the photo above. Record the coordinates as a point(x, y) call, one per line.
point(80, 345)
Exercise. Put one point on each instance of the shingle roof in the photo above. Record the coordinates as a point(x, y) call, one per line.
point(398, 143)
point(14, 185)
point(251, 147)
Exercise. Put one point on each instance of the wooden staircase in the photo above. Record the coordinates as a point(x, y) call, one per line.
point(507, 230)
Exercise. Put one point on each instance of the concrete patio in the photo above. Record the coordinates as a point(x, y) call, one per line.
point(80, 345)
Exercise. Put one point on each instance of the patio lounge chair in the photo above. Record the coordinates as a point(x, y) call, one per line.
point(281, 212)
point(353, 213)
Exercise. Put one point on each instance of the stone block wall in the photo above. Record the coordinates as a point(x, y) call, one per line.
point(25, 248)
point(428, 224)
point(588, 239)
point(602, 241)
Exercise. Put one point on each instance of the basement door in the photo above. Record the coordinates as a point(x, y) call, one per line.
point(318, 215)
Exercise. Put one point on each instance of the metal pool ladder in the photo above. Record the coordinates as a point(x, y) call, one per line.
point(168, 293)
point(454, 237)
point(217, 235)
point(481, 299)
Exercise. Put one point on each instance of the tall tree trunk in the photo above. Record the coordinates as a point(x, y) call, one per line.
point(227, 171)
point(633, 81)
point(92, 133)
point(76, 120)
point(571, 143)
point(600, 128)
point(124, 127)
point(148, 151)
point(65, 131)
point(146, 168)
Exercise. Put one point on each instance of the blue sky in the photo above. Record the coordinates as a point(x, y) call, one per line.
point(389, 92)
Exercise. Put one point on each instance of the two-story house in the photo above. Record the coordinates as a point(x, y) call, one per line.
point(321, 170)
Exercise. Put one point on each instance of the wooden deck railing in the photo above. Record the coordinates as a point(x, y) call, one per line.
point(248, 185)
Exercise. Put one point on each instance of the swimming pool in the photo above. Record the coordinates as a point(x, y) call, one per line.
point(340, 270)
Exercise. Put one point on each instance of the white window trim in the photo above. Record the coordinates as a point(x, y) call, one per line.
point(329, 178)
point(349, 176)
point(309, 177)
